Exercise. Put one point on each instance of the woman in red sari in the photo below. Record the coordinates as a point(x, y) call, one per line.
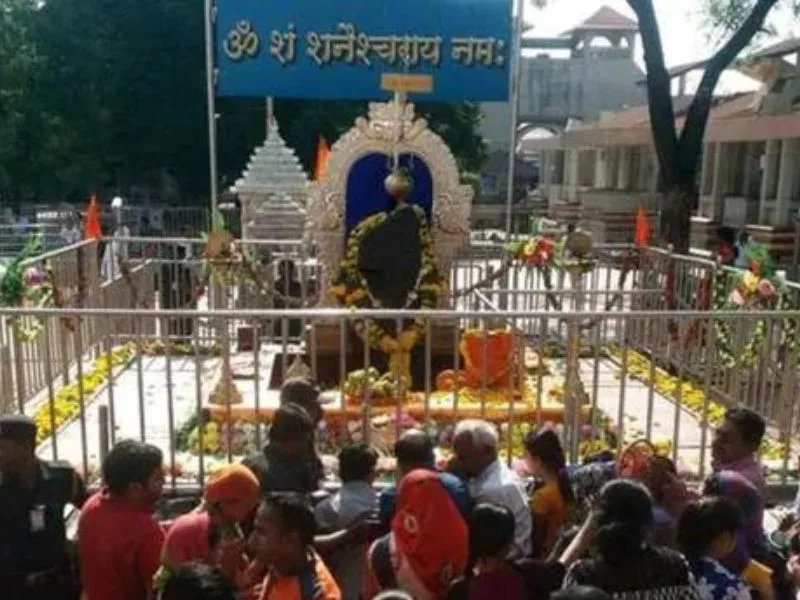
point(427, 548)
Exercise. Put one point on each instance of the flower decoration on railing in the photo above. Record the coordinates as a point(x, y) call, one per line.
point(753, 292)
point(538, 251)
point(221, 258)
point(23, 285)
point(223, 261)
point(755, 289)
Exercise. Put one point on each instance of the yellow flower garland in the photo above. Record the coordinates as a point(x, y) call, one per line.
point(67, 401)
point(352, 291)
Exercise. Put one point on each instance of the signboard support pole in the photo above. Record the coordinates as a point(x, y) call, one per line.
point(270, 113)
point(513, 99)
point(210, 99)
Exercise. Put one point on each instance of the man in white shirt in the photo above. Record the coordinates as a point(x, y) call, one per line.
point(490, 480)
point(743, 247)
point(70, 234)
point(116, 251)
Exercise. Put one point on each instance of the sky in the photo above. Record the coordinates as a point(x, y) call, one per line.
point(684, 35)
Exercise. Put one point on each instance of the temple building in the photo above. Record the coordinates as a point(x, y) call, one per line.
point(272, 191)
point(750, 172)
point(571, 78)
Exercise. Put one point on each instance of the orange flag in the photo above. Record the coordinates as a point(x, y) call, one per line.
point(323, 154)
point(642, 232)
point(92, 229)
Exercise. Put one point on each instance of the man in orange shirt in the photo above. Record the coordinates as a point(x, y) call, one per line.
point(119, 541)
point(282, 540)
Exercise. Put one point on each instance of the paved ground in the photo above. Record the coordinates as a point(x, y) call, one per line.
point(129, 396)
point(639, 405)
point(128, 399)
point(148, 387)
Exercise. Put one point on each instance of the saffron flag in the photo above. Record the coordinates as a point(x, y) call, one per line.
point(92, 229)
point(642, 232)
point(321, 165)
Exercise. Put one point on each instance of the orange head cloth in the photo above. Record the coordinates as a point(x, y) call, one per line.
point(92, 229)
point(642, 232)
point(235, 490)
point(430, 535)
point(323, 154)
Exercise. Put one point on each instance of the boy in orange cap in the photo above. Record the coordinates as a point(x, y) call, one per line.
point(212, 534)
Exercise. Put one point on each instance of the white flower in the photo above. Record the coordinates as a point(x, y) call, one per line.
point(706, 588)
point(738, 592)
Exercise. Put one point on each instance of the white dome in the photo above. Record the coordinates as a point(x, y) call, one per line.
point(272, 191)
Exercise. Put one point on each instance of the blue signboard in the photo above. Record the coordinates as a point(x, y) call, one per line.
point(339, 49)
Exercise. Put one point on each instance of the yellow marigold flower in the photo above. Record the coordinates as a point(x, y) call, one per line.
point(388, 345)
point(355, 297)
point(408, 339)
point(430, 287)
point(750, 282)
point(530, 248)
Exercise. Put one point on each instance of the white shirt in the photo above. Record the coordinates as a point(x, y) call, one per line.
point(71, 236)
point(501, 486)
point(741, 260)
point(340, 511)
point(115, 252)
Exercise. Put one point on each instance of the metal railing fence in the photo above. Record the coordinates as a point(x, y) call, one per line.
point(596, 374)
point(653, 361)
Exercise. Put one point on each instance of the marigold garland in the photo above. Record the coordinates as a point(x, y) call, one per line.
point(351, 290)
point(66, 404)
point(755, 289)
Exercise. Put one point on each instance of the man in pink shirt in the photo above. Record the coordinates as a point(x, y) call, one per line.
point(119, 541)
point(736, 443)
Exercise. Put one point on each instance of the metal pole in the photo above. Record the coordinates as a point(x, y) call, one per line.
point(513, 99)
point(103, 429)
point(210, 99)
point(795, 270)
point(270, 113)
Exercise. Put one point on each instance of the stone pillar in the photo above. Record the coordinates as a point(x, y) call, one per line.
point(545, 174)
point(573, 161)
point(747, 165)
point(769, 166)
point(624, 168)
point(656, 172)
point(612, 155)
point(644, 170)
point(719, 186)
point(706, 169)
point(601, 169)
point(787, 181)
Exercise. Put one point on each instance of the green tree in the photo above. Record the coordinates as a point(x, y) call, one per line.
point(738, 23)
point(110, 94)
point(18, 59)
point(679, 152)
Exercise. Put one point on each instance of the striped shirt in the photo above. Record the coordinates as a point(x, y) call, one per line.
point(312, 582)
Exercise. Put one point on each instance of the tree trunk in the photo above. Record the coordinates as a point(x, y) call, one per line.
point(676, 218)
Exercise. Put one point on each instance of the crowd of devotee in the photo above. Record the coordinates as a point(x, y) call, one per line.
point(476, 530)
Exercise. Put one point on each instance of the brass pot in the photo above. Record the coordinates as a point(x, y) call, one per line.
point(399, 184)
point(579, 244)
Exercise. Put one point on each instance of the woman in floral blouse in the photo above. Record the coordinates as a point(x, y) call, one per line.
point(624, 564)
point(706, 535)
